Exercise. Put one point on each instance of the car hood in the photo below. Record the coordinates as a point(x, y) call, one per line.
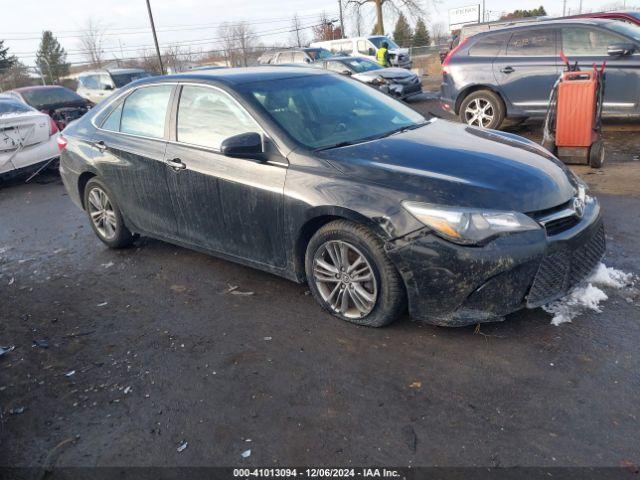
point(388, 73)
point(453, 164)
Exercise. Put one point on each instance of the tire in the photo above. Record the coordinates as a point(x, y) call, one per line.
point(109, 227)
point(384, 297)
point(493, 113)
point(596, 154)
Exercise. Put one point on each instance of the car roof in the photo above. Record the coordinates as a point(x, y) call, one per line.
point(37, 87)
point(112, 70)
point(237, 76)
point(547, 23)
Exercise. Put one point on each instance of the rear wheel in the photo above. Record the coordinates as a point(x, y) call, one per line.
point(351, 277)
point(596, 154)
point(482, 108)
point(105, 216)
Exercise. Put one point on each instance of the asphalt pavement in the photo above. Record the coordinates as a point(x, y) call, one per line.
point(123, 356)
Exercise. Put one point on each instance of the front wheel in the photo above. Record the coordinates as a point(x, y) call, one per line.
point(105, 216)
point(483, 109)
point(351, 277)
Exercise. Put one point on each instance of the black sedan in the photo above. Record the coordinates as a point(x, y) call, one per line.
point(60, 103)
point(321, 179)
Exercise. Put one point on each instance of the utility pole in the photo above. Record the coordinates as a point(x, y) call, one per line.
point(341, 19)
point(484, 12)
point(580, 8)
point(155, 38)
point(564, 8)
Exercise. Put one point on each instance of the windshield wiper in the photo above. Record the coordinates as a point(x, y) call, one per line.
point(373, 137)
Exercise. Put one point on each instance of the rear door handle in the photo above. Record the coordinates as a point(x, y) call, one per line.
point(176, 164)
point(100, 145)
point(508, 70)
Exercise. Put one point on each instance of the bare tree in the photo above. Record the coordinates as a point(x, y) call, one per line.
point(412, 7)
point(91, 40)
point(357, 19)
point(228, 43)
point(245, 40)
point(439, 33)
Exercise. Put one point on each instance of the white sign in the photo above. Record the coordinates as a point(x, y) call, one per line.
point(463, 16)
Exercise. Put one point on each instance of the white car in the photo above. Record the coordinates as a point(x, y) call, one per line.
point(367, 47)
point(28, 138)
point(97, 85)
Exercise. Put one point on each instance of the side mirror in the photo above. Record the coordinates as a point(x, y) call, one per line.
point(107, 87)
point(346, 72)
point(244, 145)
point(372, 51)
point(307, 60)
point(620, 49)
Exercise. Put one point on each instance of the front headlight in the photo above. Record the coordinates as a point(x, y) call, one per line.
point(468, 225)
point(379, 81)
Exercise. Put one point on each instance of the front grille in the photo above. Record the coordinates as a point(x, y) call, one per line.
point(555, 227)
point(561, 271)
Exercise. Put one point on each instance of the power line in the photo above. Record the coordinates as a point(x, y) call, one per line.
point(169, 28)
point(191, 42)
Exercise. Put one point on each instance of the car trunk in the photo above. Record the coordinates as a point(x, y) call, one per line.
point(25, 130)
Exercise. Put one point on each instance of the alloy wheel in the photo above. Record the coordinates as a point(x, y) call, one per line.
point(345, 279)
point(102, 214)
point(479, 112)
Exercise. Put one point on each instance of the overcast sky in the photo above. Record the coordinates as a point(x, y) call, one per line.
point(195, 21)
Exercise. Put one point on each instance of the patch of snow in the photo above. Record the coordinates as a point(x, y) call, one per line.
point(246, 453)
point(587, 296)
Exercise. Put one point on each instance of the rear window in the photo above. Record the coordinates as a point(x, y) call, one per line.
point(489, 46)
point(529, 42)
point(8, 106)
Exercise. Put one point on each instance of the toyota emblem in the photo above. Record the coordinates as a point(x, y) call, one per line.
point(578, 207)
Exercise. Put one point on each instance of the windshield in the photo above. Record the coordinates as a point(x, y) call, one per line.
point(318, 53)
point(320, 111)
point(377, 41)
point(359, 65)
point(8, 105)
point(121, 79)
point(627, 29)
point(41, 97)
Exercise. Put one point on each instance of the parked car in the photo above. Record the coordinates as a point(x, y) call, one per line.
point(629, 17)
point(367, 47)
point(60, 103)
point(317, 178)
point(509, 73)
point(395, 81)
point(28, 138)
point(294, 56)
point(100, 84)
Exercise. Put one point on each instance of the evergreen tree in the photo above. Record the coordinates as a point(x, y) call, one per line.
point(402, 33)
point(534, 12)
point(51, 58)
point(421, 36)
point(6, 61)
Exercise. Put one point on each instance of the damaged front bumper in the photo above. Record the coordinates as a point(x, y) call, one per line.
point(453, 285)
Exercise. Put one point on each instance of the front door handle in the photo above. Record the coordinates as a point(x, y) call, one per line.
point(508, 70)
point(100, 145)
point(176, 164)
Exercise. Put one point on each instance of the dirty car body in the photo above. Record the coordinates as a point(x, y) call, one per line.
point(327, 155)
